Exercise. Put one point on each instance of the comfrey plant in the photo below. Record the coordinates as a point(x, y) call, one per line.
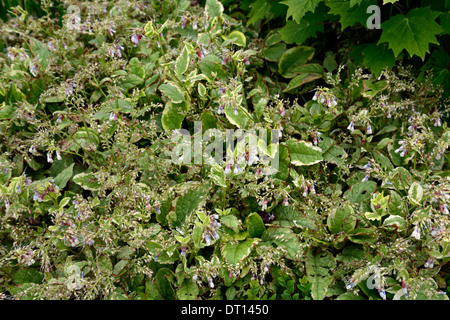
point(147, 153)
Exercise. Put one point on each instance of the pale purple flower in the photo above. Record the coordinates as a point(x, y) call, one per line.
point(207, 239)
point(58, 155)
point(200, 54)
point(111, 30)
point(246, 61)
point(437, 122)
point(34, 70)
point(382, 293)
point(365, 178)
point(113, 116)
point(444, 208)
point(416, 233)
point(135, 38)
point(429, 263)
point(221, 109)
point(237, 169)
point(235, 110)
point(263, 204)
point(194, 25)
point(49, 158)
point(228, 169)
point(211, 283)
point(351, 126)
point(369, 129)
point(316, 95)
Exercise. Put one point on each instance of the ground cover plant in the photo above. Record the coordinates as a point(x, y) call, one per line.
point(113, 116)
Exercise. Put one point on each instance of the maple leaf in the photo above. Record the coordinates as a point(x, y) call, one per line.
point(297, 9)
point(349, 12)
point(414, 32)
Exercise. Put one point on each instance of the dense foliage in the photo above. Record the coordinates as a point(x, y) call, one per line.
point(96, 206)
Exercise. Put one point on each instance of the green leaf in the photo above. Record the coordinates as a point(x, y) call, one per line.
point(297, 9)
point(415, 193)
point(301, 79)
point(360, 191)
point(104, 263)
point(235, 253)
point(241, 119)
point(236, 37)
point(64, 176)
point(119, 267)
point(350, 296)
point(211, 67)
point(187, 204)
point(173, 115)
point(218, 176)
point(303, 153)
point(414, 32)
point(349, 15)
point(7, 111)
point(298, 33)
point(335, 154)
point(377, 58)
point(372, 89)
point(172, 92)
point(255, 225)
point(182, 62)
point(362, 235)
point(136, 68)
point(201, 90)
point(274, 52)
point(285, 238)
point(87, 181)
point(293, 58)
point(214, 8)
point(396, 221)
point(231, 222)
point(288, 216)
point(259, 10)
point(163, 284)
point(351, 254)
point(28, 275)
point(342, 219)
point(188, 290)
point(318, 269)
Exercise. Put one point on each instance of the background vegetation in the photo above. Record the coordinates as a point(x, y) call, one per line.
point(93, 207)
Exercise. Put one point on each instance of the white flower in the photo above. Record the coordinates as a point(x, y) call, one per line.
point(399, 149)
point(49, 158)
point(416, 233)
point(444, 209)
